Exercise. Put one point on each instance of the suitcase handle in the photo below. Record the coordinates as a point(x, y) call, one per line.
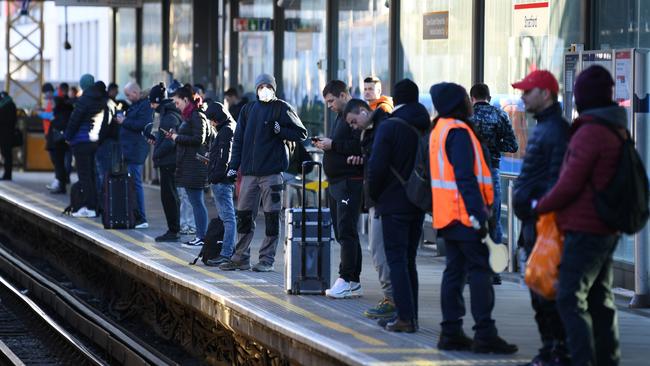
point(305, 165)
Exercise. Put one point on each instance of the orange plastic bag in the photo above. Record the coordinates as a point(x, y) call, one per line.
point(542, 267)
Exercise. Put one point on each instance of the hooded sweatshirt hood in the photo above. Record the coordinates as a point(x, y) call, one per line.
point(613, 114)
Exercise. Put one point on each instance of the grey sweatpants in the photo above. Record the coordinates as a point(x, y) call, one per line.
point(376, 247)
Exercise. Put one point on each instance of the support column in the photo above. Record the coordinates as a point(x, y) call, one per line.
point(138, 46)
point(234, 45)
point(166, 7)
point(332, 64)
point(478, 41)
point(396, 58)
point(278, 48)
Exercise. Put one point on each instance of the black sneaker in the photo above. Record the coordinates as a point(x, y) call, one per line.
point(216, 262)
point(495, 345)
point(168, 237)
point(232, 265)
point(456, 342)
point(401, 326)
point(196, 242)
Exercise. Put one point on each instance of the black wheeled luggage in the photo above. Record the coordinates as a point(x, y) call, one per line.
point(307, 245)
point(119, 202)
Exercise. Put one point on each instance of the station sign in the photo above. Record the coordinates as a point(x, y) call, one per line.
point(252, 24)
point(303, 25)
point(435, 25)
point(531, 19)
point(105, 3)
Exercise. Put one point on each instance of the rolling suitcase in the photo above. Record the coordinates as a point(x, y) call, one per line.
point(307, 244)
point(119, 202)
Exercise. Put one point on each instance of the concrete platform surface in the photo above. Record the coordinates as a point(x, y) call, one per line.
point(335, 327)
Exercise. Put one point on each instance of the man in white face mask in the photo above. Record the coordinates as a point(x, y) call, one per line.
point(259, 151)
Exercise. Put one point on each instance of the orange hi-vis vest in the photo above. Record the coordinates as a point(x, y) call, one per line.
point(447, 203)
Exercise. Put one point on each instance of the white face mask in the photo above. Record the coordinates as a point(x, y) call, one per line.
point(265, 94)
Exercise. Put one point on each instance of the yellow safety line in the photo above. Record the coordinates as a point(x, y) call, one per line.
point(266, 296)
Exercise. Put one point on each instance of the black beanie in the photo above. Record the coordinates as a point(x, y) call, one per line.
point(157, 93)
point(217, 112)
point(446, 97)
point(593, 88)
point(406, 91)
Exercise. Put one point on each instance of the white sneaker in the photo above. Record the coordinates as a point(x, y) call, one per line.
point(142, 225)
point(54, 185)
point(84, 212)
point(342, 289)
point(355, 289)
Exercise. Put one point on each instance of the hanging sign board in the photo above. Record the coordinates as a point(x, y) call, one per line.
point(435, 25)
point(531, 19)
point(109, 3)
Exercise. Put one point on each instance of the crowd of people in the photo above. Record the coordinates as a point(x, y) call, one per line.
point(370, 151)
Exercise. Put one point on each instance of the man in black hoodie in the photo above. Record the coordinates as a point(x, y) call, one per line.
point(345, 189)
point(393, 153)
point(164, 158)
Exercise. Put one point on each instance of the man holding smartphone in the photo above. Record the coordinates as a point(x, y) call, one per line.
point(345, 189)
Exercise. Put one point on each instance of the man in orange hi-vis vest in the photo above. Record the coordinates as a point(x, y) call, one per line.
point(461, 188)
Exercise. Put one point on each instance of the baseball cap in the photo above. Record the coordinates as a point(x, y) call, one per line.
point(542, 79)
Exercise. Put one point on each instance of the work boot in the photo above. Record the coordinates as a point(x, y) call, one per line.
point(385, 309)
point(495, 345)
point(455, 342)
point(232, 265)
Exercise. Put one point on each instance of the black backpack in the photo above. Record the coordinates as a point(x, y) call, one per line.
point(623, 203)
point(76, 199)
point(212, 242)
point(418, 184)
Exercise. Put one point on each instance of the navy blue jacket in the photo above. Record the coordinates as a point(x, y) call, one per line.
point(541, 167)
point(164, 149)
point(134, 146)
point(87, 116)
point(257, 150)
point(345, 142)
point(395, 145)
point(367, 139)
point(460, 153)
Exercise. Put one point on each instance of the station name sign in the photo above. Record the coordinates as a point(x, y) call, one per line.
point(531, 19)
point(435, 25)
point(106, 3)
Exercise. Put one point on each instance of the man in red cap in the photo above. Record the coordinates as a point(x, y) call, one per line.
point(547, 143)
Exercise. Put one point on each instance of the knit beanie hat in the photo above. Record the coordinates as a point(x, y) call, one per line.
point(593, 88)
point(157, 93)
point(173, 87)
point(446, 97)
point(265, 79)
point(406, 91)
point(217, 112)
point(86, 81)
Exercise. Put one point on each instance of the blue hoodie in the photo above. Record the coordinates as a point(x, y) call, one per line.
point(395, 145)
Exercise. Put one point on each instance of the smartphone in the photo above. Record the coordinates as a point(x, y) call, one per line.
point(164, 130)
point(315, 139)
point(202, 158)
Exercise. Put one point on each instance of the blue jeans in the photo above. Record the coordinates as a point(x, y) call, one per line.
point(200, 211)
point(496, 232)
point(136, 172)
point(187, 217)
point(223, 199)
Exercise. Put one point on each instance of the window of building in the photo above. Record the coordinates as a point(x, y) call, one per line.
point(255, 42)
point(436, 37)
point(125, 60)
point(363, 42)
point(151, 44)
point(180, 36)
point(304, 48)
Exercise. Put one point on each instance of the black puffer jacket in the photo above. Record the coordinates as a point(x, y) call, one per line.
point(345, 142)
point(257, 150)
point(164, 150)
point(395, 145)
point(220, 150)
point(541, 166)
point(191, 140)
point(8, 120)
point(367, 139)
point(88, 115)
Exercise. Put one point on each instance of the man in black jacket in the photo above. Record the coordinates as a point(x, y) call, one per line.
point(223, 187)
point(360, 117)
point(539, 172)
point(344, 192)
point(259, 151)
point(7, 126)
point(164, 158)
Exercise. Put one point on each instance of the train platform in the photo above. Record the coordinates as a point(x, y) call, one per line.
point(308, 329)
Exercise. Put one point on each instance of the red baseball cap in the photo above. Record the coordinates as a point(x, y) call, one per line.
point(538, 79)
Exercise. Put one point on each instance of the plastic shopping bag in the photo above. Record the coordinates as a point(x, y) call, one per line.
point(544, 261)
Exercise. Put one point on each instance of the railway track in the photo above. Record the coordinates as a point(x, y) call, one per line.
point(78, 336)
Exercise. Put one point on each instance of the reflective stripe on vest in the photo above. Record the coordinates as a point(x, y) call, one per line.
point(448, 205)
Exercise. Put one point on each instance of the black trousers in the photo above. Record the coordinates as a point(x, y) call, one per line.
point(84, 155)
point(401, 239)
point(61, 171)
point(7, 156)
point(345, 207)
point(169, 197)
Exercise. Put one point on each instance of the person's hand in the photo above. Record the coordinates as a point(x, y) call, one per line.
point(324, 144)
point(355, 160)
point(151, 141)
point(480, 227)
point(120, 118)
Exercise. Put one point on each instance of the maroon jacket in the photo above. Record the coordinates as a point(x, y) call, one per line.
point(590, 160)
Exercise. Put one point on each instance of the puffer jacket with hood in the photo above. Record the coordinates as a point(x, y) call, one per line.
point(589, 163)
point(395, 145)
point(220, 150)
point(193, 135)
point(88, 115)
point(164, 150)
